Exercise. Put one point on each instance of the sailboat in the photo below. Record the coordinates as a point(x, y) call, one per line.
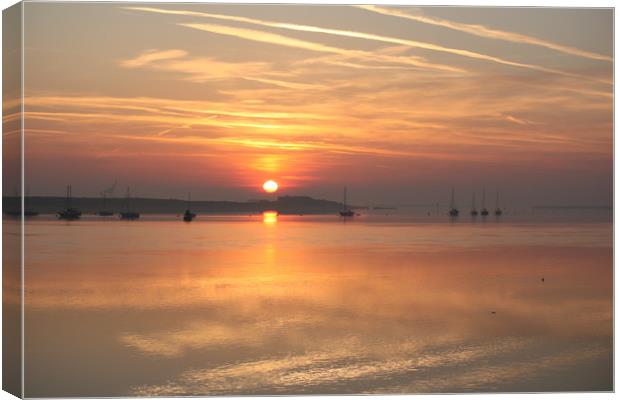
point(474, 211)
point(188, 215)
point(127, 214)
point(346, 211)
point(69, 213)
point(454, 212)
point(484, 212)
point(498, 211)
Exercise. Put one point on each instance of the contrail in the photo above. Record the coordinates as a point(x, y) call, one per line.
point(353, 34)
point(272, 38)
point(483, 31)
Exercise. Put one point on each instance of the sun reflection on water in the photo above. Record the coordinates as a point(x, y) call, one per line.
point(270, 217)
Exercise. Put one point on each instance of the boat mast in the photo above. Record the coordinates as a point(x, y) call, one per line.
point(344, 204)
point(473, 201)
point(484, 196)
point(497, 200)
point(68, 198)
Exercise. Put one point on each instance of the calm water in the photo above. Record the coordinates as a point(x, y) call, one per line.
point(301, 304)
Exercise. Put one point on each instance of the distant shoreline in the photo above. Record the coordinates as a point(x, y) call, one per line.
point(90, 205)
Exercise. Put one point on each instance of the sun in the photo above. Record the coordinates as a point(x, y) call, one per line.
point(270, 186)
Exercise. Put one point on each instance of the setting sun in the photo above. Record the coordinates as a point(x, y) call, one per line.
point(270, 186)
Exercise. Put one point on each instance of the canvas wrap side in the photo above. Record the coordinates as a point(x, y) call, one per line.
point(12, 227)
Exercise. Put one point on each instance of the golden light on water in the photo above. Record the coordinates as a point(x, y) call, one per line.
point(270, 186)
point(270, 217)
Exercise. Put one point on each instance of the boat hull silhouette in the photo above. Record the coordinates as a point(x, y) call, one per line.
point(129, 215)
point(188, 216)
point(69, 214)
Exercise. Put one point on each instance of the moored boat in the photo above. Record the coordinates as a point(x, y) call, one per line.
point(346, 211)
point(498, 211)
point(188, 216)
point(70, 212)
point(474, 210)
point(484, 212)
point(128, 214)
point(453, 212)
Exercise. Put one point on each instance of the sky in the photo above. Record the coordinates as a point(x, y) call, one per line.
point(400, 104)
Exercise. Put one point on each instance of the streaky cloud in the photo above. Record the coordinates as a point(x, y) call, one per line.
point(151, 56)
point(483, 31)
point(272, 38)
point(418, 61)
point(352, 34)
point(288, 84)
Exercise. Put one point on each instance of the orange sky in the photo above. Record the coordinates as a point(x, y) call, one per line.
point(398, 103)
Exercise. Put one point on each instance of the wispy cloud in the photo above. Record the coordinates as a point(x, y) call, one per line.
point(295, 119)
point(272, 38)
point(417, 61)
point(151, 56)
point(337, 32)
point(206, 69)
point(483, 31)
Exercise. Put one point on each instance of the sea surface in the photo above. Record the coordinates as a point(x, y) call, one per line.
point(386, 302)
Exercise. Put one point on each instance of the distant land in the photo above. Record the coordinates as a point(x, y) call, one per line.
point(91, 205)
